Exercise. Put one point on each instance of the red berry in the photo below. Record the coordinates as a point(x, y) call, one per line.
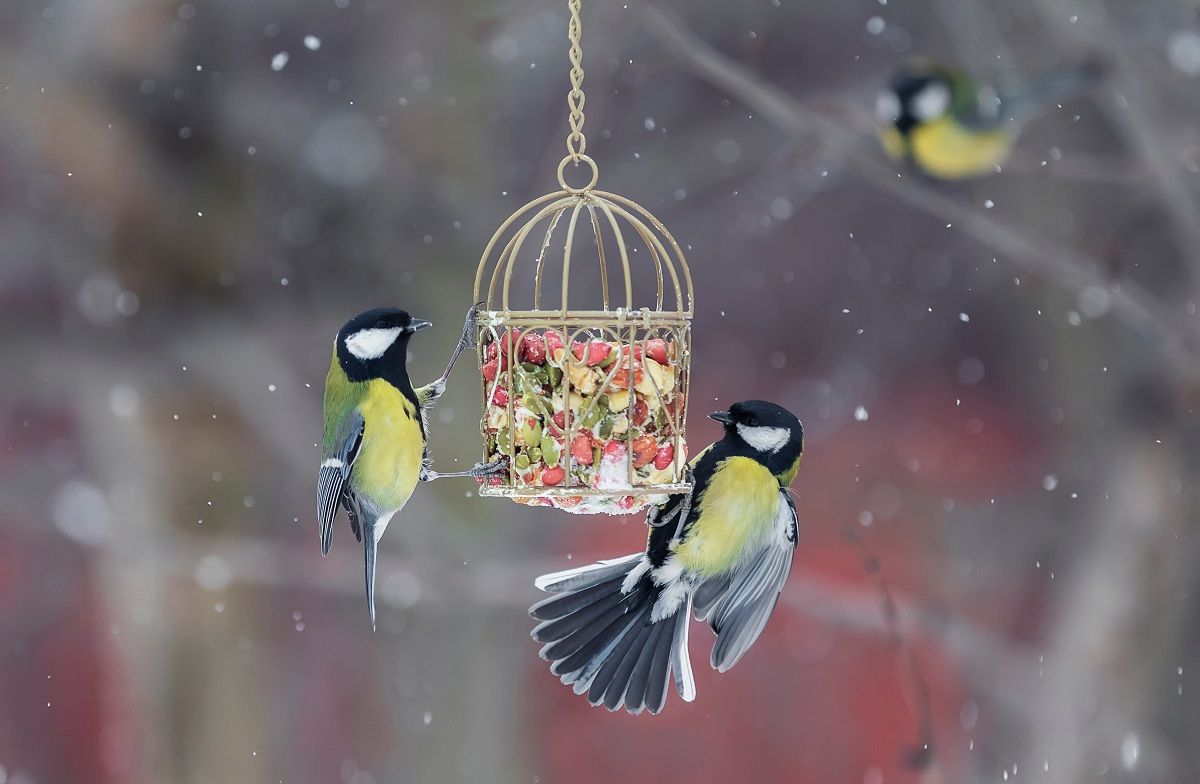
point(559, 420)
point(644, 450)
point(664, 457)
point(656, 349)
point(533, 349)
point(491, 368)
point(553, 476)
point(581, 449)
point(640, 412)
point(500, 397)
point(597, 351)
point(626, 502)
point(554, 342)
point(614, 449)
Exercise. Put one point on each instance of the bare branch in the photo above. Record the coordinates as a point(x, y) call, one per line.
point(1070, 268)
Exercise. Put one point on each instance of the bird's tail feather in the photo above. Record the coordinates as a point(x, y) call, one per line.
point(598, 635)
point(369, 547)
point(1054, 86)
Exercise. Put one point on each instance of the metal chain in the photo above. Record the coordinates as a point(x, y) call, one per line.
point(576, 141)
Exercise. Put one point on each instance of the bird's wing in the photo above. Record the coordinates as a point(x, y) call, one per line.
point(738, 604)
point(332, 487)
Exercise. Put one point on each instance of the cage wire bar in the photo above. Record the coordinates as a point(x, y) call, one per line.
point(622, 318)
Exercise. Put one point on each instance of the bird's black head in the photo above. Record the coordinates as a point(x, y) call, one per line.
point(374, 344)
point(919, 92)
point(770, 432)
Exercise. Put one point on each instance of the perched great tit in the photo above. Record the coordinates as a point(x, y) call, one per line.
point(374, 448)
point(950, 126)
point(618, 629)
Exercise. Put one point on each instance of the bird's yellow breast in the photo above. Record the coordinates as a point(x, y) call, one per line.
point(736, 511)
point(388, 465)
point(946, 149)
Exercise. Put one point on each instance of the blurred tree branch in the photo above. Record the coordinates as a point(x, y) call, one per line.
point(1130, 109)
point(1070, 268)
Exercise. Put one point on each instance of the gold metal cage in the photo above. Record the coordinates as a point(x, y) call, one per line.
point(579, 397)
point(587, 406)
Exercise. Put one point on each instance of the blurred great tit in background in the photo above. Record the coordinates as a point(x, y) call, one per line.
point(374, 449)
point(618, 629)
point(949, 126)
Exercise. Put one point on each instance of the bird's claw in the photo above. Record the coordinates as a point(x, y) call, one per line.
point(491, 469)
point(468, 340)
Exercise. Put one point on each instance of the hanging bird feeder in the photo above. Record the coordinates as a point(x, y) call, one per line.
point(587, 405)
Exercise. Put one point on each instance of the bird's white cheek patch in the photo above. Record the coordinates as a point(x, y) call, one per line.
point(931, 102)
point(887, 107)
point(764, 439)
point(371, 343)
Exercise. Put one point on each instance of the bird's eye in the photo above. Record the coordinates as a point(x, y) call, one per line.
point(752, 421)
point(381, 324)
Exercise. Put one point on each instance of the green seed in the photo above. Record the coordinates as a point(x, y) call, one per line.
point(606, 427)
point(535, 454)
point(522, 461)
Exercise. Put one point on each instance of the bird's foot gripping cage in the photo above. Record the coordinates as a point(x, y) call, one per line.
point(586, 406)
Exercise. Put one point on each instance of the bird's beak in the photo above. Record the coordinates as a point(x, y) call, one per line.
point(721, 416)
point(416, 325)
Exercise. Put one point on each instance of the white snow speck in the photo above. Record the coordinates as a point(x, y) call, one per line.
point(213, 573)
point(876, 25)
point(1094, 301)
point(279, 61)
point(124, 400)
point(1131, 749)
point(1183, 50)
point(1049, 482)
point(427, 718)
point(861, 414)
point(312, 43)
point(648, 123)
point(964, 318)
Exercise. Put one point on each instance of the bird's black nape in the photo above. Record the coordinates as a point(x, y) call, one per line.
point(764, 430)
point(374, 344)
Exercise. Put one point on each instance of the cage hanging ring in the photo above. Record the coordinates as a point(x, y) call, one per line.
point(562, 170)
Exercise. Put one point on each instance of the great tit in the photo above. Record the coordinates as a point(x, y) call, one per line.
point(949, 126)
point(374, 448)
point(618, 629)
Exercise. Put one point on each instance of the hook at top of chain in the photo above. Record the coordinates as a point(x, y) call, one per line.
point(576, 141)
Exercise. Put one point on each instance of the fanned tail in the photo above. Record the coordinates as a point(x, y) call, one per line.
point(599, 636)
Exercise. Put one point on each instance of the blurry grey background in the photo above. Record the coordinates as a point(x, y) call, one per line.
point(998, 380)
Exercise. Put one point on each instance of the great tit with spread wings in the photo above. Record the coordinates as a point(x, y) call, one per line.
point(950, 126)
point(374, 449)
point(618, 629)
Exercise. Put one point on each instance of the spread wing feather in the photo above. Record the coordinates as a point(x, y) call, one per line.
point(738, 605)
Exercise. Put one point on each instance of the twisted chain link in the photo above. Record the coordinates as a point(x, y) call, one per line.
point(576, 141)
